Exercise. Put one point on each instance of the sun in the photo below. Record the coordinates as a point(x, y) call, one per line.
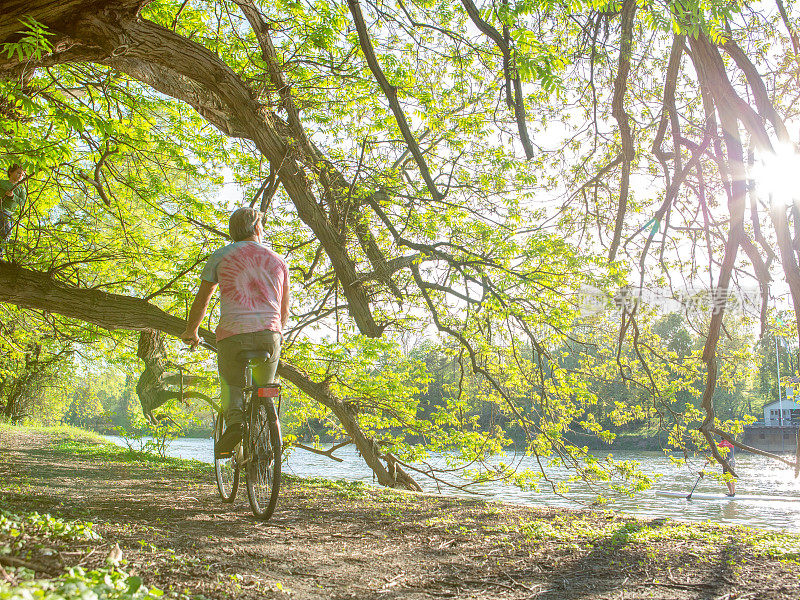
point(776, 175)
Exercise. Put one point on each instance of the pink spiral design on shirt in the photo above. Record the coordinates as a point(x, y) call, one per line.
point(247, 277)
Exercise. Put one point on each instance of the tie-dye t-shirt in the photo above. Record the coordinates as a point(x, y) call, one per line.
point(251, 281)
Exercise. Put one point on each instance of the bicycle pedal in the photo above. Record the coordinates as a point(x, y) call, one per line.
point(235, 453)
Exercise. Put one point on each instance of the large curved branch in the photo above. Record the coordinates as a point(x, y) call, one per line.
point(728, 103)
point(713, 76)
point(790, 29)
point(367, 447)
point(515, 101)
point(390, 92)
point(756, 83)
point(33, 289)
point(710, 71)
point(621, 116)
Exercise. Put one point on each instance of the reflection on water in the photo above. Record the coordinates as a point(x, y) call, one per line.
point(758, 476)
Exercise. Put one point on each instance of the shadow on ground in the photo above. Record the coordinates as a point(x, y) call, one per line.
point(349, 541)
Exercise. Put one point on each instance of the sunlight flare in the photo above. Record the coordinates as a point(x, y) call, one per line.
point(775, 175)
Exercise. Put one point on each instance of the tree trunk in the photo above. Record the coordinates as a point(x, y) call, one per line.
point(109, 32)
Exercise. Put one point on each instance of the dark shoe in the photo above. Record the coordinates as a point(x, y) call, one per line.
point(731, 495)
point(227, 443)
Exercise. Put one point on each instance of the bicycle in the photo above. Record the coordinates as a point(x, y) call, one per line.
point(259, 452)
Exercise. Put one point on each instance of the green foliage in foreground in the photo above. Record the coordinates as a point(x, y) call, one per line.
point(346, 490)
point(79, 584)
point(585, 531)
point(582, 530)
point(19, 528)
point(43, 531)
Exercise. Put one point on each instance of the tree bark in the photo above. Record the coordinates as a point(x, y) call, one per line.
point(621, 116)
point(712, 77)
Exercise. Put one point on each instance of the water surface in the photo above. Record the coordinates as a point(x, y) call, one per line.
point(757, 476)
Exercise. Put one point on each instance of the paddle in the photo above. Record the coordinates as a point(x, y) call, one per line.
point(699, 477)
point(689, 496)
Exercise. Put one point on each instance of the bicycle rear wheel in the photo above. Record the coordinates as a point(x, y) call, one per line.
point(225, 469)
point(263, 464)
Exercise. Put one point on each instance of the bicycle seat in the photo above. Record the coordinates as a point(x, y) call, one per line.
point(249, 355)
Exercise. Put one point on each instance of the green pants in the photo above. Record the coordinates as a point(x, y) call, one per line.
point(232, 368)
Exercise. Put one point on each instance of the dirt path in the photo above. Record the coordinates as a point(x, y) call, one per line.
point(350, 541)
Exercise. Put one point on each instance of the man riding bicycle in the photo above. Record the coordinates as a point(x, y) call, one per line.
point(254, 308)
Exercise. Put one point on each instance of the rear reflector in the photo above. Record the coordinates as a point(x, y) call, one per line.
point(272, 391)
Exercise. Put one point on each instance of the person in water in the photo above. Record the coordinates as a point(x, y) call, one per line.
point(727, 450)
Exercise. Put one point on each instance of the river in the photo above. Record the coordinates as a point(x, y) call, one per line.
point(758, 476)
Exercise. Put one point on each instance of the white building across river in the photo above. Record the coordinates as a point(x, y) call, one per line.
point(791, 413)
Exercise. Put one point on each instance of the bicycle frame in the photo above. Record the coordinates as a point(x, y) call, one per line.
point(261, 460)
point(259, 453)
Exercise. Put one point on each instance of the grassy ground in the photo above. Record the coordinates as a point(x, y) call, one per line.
point(84, 519)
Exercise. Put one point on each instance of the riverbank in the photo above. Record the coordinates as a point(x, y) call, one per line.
point(652, 440)
point(158, 523)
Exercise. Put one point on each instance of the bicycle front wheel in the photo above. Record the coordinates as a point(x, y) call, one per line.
point(263, 463)
point(225, 469)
